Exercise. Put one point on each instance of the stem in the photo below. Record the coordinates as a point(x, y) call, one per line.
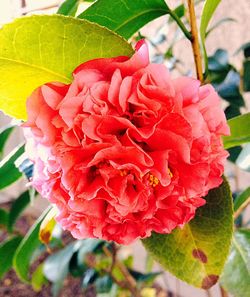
point(223, 292)
point(241, 208)
point(195, 41)
point(180, 24)
point(130, 281)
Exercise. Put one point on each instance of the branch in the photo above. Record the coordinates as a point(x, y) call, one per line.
point(241, 208)
point(180, 24)
point(130, 281)
point(223, 292)
point(195, 41)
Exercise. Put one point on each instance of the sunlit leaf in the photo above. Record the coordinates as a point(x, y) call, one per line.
point(194, 253)
point(39, 49)
point(240, 131)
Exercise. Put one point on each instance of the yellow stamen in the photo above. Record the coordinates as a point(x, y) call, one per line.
point(153, 180)
point(123, 172)
point(170, 173)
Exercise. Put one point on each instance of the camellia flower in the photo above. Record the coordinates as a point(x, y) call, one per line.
point(125, 150)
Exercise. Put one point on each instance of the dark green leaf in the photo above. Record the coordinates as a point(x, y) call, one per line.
point(68, 7)
point(232, 111)
point(38, 279)
point(229, 89)
point(193, 253)
point(246, 76)
point(29, 244)
point(240, 131)
point(8, 171)
point(234, 153)
point(219, 61)
point(103, 284)
point(4, 217)
point(236, 275)
point(7, 250)
point(241, 199)
point(4, 135)
point(17, 208)
point(144, 277)
point(124, 17)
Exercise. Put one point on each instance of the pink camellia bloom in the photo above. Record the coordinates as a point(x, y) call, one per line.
point(125, 150)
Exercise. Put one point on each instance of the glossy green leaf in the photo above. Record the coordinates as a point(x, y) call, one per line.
point(4, 217)
point(17, 208)
point(39, 49)
point(125, 17)
point(194, 253)
point(38, 279)
point(241, 198)
point(236, 275)
point(8, 171)
point(240, 131)
point(7, 250)
point(4, 135)
point(26, 249)
point(68, 7)
point(207, 13)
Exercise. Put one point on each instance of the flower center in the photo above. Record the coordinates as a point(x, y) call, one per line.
point(153, 180)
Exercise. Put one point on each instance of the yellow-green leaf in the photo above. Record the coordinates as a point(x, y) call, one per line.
point(39, 49)
point(47, 226)
point(197, 253)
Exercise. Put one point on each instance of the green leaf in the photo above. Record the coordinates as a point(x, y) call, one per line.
point(241, 199)
point(4, 135)
point(207, 13)
point(220, 22)
point(194, 253)
point(240, 131)
point(125, 17)
point(68, 7)
point(56, 266)
point(246, 75)
point(4, 217)
point(17, 208)
point(26, 249)
point(8, 171)
point(7, 250)
point(38, 279)
point(38, 49)
point(103, 284)
point(236, 275)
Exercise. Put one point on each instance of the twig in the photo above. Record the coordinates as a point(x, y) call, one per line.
point(223, 292)
point(130, 281)
point(180, 24)
point(195, 41)
point(241, 208)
